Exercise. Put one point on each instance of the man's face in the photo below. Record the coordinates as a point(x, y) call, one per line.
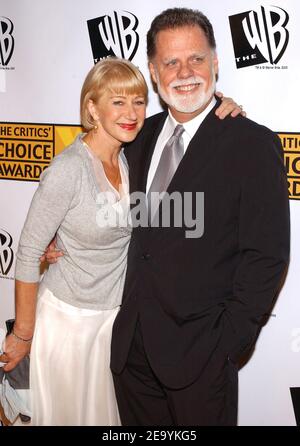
point(184, 69)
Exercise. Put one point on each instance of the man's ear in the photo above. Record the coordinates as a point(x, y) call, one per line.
point(152, 72)
point(216, 64)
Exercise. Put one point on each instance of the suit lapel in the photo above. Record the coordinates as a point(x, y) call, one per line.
point(147, 150)
point(199, 152)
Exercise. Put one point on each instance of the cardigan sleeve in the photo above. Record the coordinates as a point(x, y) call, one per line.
point(55, 196)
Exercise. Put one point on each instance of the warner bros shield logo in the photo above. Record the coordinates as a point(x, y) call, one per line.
point(259, 36)
point(6, 252)
point(114, 35)
point(6, 40)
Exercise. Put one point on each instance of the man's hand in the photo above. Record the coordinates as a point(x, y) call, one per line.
point(51, 254)
point(228, 106)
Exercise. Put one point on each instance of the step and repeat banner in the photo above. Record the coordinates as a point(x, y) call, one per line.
point(46, 49)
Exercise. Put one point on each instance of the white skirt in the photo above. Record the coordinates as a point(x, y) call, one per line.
point(70, 379)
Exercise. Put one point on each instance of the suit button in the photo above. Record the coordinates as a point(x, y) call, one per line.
point(145, 257)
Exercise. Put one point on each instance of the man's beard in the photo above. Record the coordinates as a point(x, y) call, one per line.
point(188, 103)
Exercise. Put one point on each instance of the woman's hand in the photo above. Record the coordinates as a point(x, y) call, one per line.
point(14, 350)
point(51, 254)
point(228, 107)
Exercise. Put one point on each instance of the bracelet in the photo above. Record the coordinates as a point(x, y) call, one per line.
point(20, 339)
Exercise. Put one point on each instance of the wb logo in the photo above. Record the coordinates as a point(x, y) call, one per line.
point(6, 40)
point(6, 253)
point(114, 35)
point(259, 37)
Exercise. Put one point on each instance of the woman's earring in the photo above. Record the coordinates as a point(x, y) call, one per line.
point(95, 128)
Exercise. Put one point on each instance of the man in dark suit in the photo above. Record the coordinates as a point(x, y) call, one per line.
point(193, 305)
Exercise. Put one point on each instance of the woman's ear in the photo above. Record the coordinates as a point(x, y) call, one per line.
point(92, 110)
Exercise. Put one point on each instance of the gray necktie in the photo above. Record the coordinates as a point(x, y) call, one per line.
point(167, 166)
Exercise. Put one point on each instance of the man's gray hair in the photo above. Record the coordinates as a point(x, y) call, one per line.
point(176, 18)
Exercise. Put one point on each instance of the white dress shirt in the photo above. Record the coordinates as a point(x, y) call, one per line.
point(190, 129)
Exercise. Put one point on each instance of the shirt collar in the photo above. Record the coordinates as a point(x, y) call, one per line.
point(191, 126)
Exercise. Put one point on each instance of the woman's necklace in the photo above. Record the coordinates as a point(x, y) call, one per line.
point(112, 174)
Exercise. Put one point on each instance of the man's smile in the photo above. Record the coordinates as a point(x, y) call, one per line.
point(186, 88)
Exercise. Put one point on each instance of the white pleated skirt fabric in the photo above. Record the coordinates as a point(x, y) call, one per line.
point(70, 378)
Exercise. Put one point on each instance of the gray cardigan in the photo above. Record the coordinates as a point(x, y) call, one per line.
point(70, 203)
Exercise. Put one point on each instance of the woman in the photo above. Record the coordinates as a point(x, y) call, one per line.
point(79, 297)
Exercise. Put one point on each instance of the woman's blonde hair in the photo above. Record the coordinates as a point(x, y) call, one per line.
point(118, 76)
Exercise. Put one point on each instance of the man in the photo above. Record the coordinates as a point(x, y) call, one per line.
point(193, 306)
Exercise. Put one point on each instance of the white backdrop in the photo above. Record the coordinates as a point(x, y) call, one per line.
point(50, 53)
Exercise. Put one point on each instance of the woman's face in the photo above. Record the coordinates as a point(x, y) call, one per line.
point(120, 117)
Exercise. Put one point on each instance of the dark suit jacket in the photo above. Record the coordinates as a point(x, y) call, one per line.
point(201, 297)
